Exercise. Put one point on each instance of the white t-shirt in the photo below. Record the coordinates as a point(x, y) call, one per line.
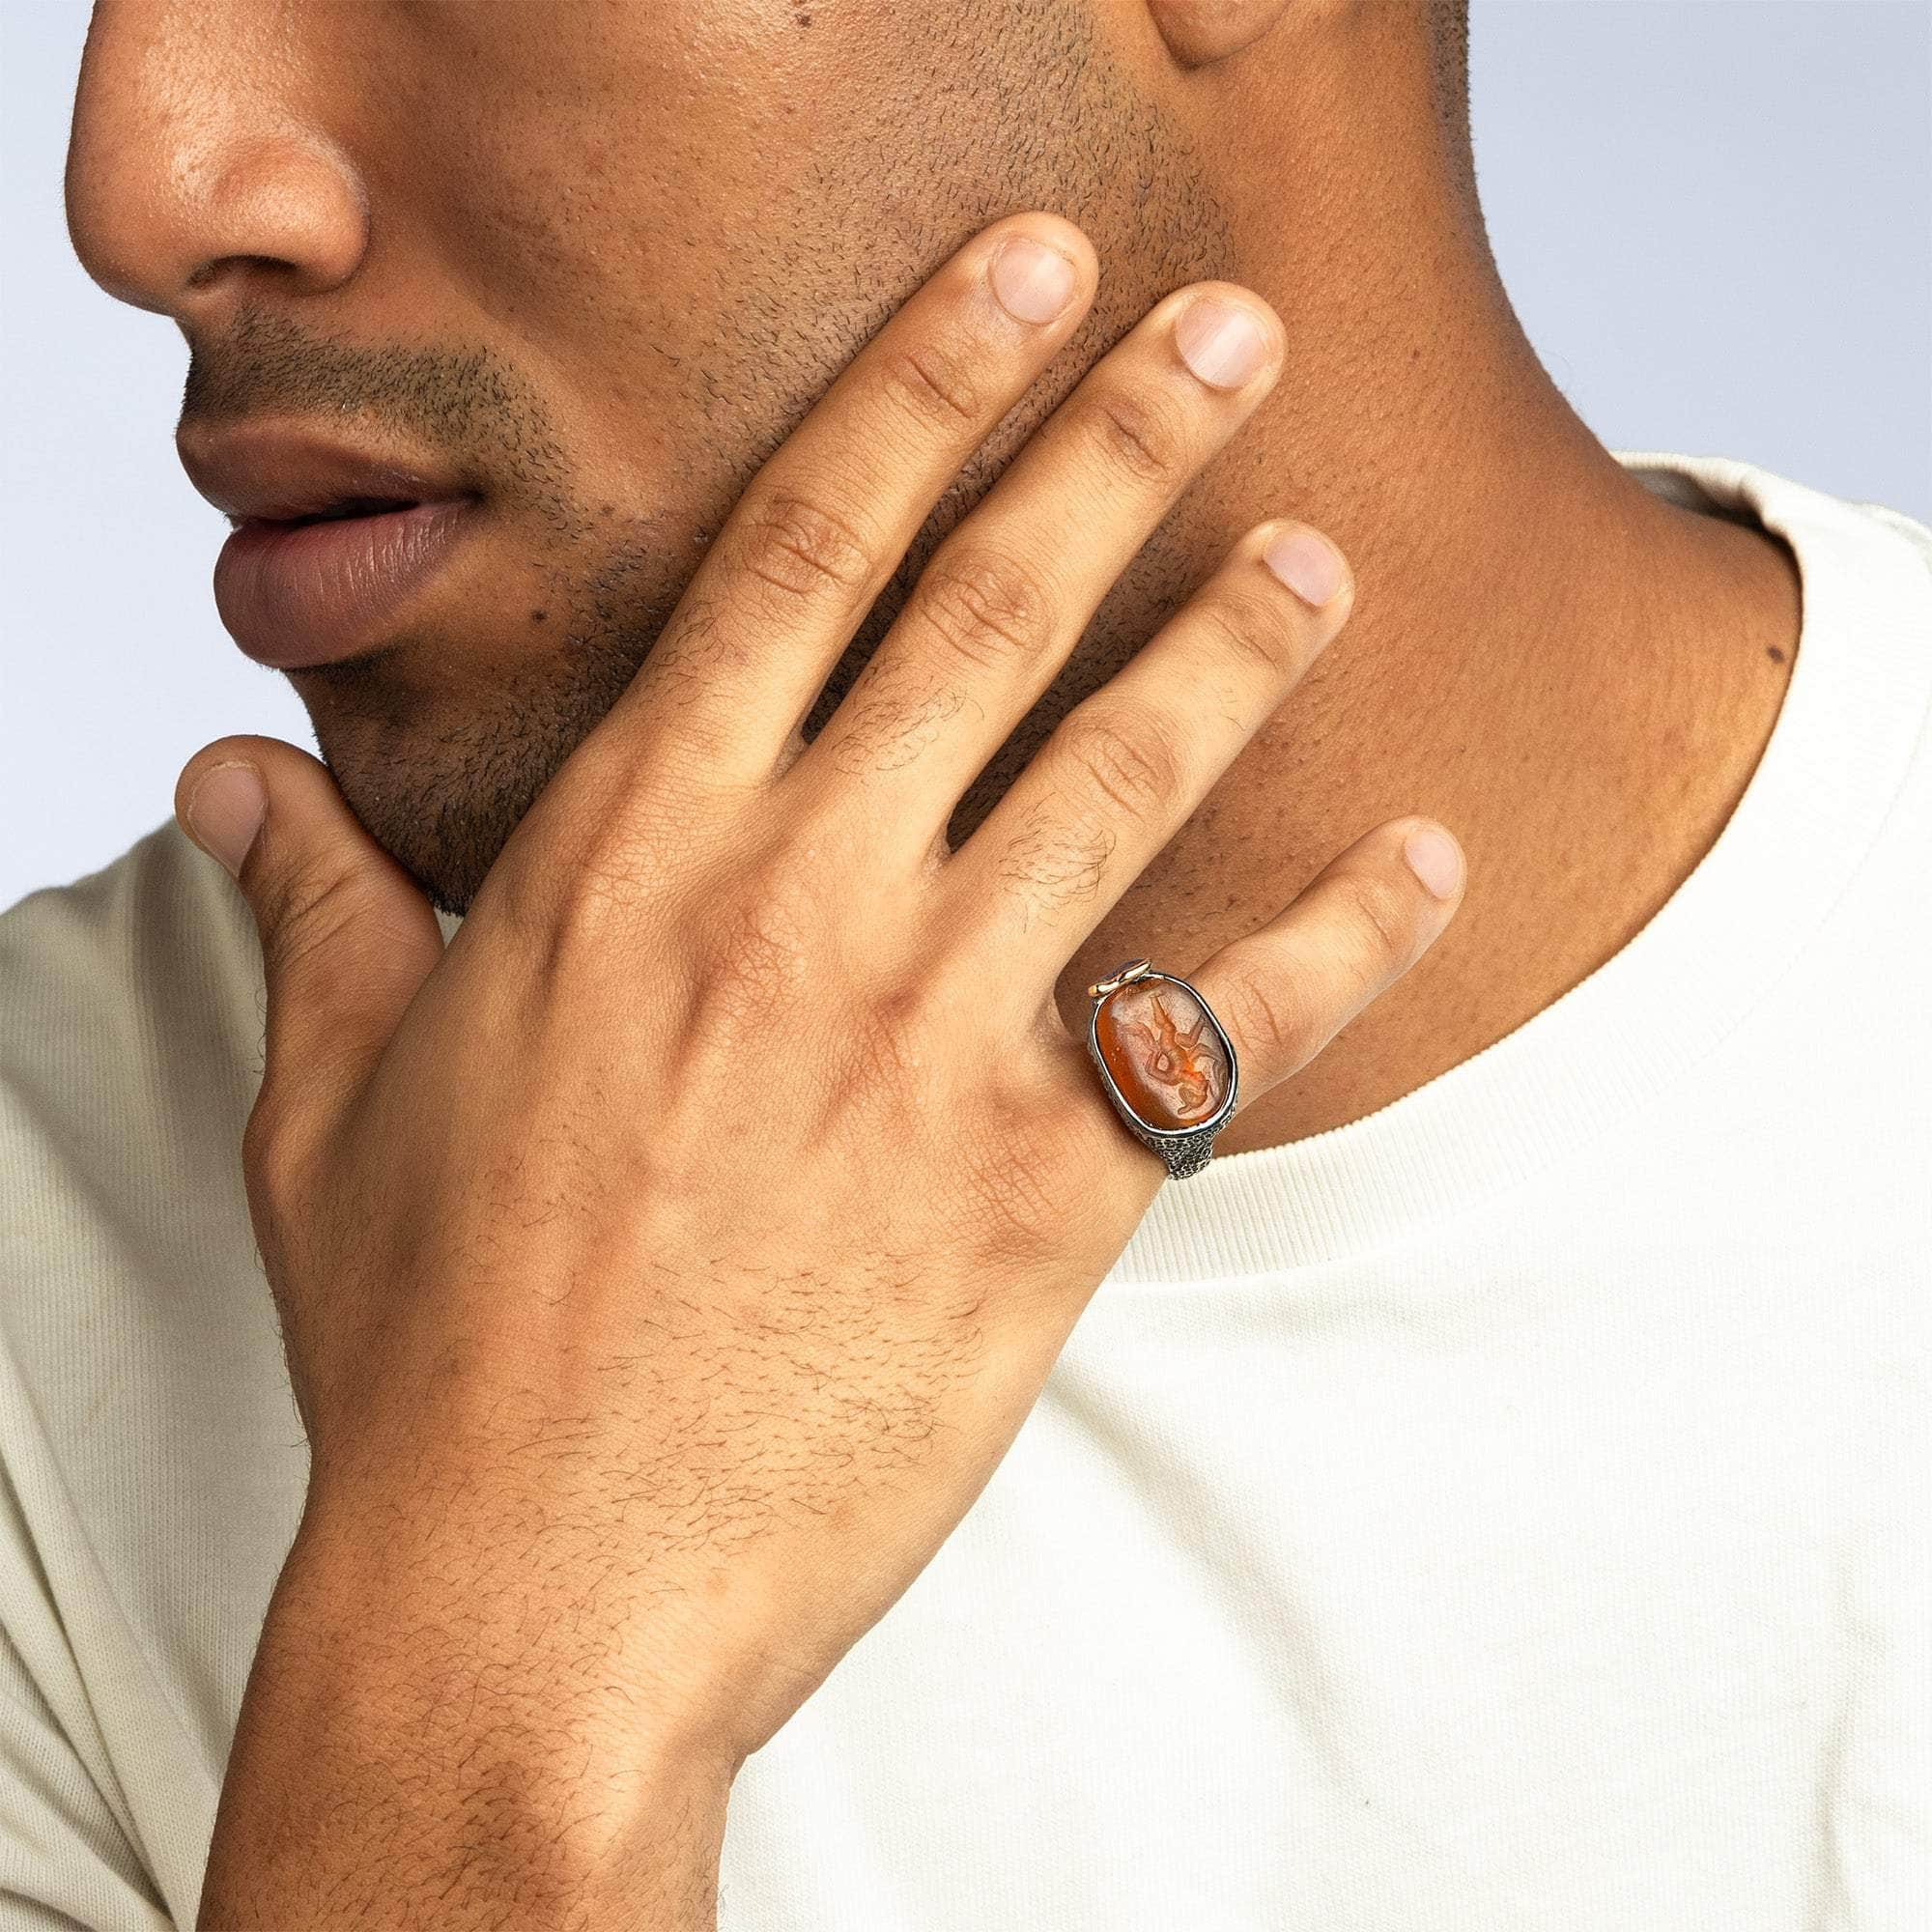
point(1506, 1511)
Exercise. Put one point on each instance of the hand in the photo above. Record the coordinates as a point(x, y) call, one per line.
point(665, 1266)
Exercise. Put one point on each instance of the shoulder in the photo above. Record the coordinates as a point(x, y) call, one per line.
point(138, 918)
point(1852, 752)
point(151, 1462)
point(131, 1048)
point(1898, 545)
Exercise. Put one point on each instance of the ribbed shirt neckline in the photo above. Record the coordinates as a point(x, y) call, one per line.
point(1853, 710)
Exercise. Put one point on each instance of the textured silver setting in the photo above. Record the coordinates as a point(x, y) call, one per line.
point(1186, 1150)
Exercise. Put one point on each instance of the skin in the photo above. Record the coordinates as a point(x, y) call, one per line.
point(1542, 657)
point(610, 274)
point(645, 1414)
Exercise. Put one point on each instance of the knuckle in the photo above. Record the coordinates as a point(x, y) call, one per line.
point(934, 386)
point(892, 1045)
point(1130, 762)
point(269, 1155)
point(1375, 910)
point(522, 896)
point(307, 908)
point(753, 964)
point(1270, 1020)
point(1253, 631)
point(987, 607)
point(1138, 437)
point(804, 550)
point(574, 922)
point(604, 900)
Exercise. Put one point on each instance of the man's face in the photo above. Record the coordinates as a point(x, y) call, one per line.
point(592, 259)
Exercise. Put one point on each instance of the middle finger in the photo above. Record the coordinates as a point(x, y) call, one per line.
point(1003, 601)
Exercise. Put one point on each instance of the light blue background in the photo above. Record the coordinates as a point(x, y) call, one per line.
point(1715, 217)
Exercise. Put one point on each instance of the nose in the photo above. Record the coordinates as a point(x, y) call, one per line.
point(197, 168)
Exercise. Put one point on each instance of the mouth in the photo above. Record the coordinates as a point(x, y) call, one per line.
point(329, 583)
point(332, 513)
point(331, 547)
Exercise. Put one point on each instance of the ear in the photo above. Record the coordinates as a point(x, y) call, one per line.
point(1198, 32)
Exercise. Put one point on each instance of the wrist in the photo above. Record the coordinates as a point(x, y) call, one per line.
point(422, 1730)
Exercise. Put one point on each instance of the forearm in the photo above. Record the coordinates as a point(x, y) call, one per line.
point(416, 1748)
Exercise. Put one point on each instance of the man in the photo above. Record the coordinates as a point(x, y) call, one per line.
point(703, 1401)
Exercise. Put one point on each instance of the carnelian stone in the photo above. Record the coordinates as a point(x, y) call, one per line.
point(1164, 1053)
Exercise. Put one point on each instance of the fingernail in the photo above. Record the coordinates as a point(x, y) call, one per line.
point(1032, 281)
point(1435, 858)
point(1222, 342)
point(1310, 565)
point(226, 812)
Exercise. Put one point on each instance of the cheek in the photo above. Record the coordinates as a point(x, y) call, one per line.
point(594, 156)
point(677, 221)
point(584, 166)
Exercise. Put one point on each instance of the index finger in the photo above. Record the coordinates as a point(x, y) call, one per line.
point(826, 520)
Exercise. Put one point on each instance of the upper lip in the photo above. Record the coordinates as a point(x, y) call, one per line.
point(263, 472)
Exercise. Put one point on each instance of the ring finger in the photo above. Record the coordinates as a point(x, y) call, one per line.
point(1125, 767)
point(1282, 992)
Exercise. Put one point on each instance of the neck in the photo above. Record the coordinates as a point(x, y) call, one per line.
point(1573, 676)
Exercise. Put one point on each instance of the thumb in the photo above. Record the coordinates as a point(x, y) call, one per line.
point(347, 936)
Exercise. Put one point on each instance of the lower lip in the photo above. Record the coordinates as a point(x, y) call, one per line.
point(313, 593)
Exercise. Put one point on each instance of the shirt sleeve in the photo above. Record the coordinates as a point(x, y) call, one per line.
point(65, 1860)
